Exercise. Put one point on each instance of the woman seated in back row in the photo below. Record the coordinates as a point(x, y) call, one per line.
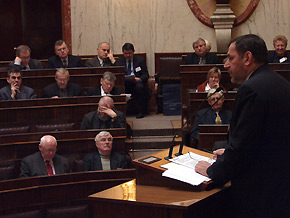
point(212, 82)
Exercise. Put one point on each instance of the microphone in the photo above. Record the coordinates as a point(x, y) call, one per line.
point(188, 122)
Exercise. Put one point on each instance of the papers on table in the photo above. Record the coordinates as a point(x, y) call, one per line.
point(182, 168)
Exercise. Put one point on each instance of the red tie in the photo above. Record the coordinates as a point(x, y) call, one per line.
point(48, 168)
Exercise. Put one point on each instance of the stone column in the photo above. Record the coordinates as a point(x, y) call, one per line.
point(223, 19)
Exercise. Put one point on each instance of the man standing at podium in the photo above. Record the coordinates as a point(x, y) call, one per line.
point(257, 160)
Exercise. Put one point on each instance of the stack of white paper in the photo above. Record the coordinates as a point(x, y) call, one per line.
point(182, 168)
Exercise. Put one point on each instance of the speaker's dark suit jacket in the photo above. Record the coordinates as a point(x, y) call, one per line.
point(210, 58)
point(73, 61)
point(257, 160)
point(33, 64)
point(92, 121)
point(53, 90)
point(97, 91)
point(208, 118)
point(93, 161)
point(25, 93)
point(33, 165)
point(94, 62)
point(139, 66)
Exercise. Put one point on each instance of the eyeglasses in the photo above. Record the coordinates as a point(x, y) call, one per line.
point(61, 80)
point(214, 99)
point(16, 77)
point(49, 150)
point(61, 49)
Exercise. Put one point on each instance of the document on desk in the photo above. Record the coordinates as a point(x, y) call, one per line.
point(182, 168)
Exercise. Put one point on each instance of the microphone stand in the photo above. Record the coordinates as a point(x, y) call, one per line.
point(187, 123)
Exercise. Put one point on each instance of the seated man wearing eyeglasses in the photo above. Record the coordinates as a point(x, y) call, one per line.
point(15, 90)
point(62, 58)
point(104, 158)
point(62, 87)
point(213, 115)
point(45, 161)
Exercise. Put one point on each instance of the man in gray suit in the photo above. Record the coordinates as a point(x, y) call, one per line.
point(45, 161)
point(23, 59)
point(15, 90)
point(104, 58)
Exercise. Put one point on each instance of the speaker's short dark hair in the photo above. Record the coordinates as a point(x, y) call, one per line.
point(128, 46)
point(253, 43)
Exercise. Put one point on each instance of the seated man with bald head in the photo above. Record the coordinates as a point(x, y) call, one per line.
point(45, 161)
point(105, 117)
point(104, 158)
point(105, 57)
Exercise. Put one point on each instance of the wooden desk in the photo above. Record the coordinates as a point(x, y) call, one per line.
point(133, 199)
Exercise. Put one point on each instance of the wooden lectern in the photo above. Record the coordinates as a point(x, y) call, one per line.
point(152, 195)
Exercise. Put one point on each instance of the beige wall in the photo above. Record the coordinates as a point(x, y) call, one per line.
point(161, 25)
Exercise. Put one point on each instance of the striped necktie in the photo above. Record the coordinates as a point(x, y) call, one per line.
point(48, 168)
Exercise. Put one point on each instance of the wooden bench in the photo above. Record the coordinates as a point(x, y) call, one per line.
point(41, 112)
point(73, 144)
point(57, 196)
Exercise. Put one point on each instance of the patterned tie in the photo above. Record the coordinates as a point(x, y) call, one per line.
point(201, 61)
point(218, 119)
point(65, 63)
point(48, 168)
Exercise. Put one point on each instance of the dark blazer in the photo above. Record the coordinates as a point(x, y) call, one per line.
point(73, 61)
point(97, 91)
point(210, 58)
point(25, 93)
point(257, 160)
point(93, 161)
point(273, 57)
point(33, 64)
point(92, 121)
point(139, 66)
point(208, 118)
point(33, 165)
point(53, 90)
point(94, 62)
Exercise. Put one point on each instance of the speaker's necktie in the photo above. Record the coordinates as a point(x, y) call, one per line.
point(218, 119)
point(48, 168)
point(129, 67)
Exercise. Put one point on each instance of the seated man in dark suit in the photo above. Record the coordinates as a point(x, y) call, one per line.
point(213, 115)
point(62, 58)
point(15, 89)
point(104, 158)
point(23, 59)
point(280, 55)
point(136, 77)
point(107, 86)
point(62, 87)
point(105, 117)
point(45, 161)
point(104, 58)
point(200, 55)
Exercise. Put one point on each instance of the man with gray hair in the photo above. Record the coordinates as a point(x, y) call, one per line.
point(45, 161)
point(15, 90)
point(62, 87)
point(200, 55)
point(105, 57)
point(213, 115)
point(23, 59)
point(107, 86)
point(104, 158)
point(105, 117)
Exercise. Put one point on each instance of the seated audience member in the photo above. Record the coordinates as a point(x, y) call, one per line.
point(105, 117)
point(62, 87)
point(213, 80)
point(280, 55)
point(15, 89)
point(104, 58)
point(62, 58)
point(45, 161)
point(200, 55)
point(137, 86)
point(107, 86)
point(23, 59)
point(104, 158)
point(213, 115)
